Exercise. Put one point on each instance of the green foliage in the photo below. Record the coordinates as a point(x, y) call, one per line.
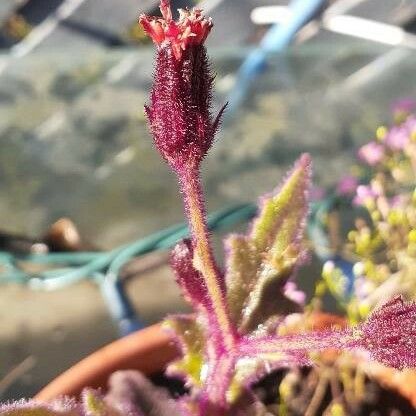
point(191, 338)
point(261, 262)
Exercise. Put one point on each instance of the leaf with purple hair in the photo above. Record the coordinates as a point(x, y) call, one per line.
point(389, 334)
point(195, 291)
point(189, 279)
point(132, 394)
point(64, 407)
point(260, 263)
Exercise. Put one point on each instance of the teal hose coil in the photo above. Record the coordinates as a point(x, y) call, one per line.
point(104, 267)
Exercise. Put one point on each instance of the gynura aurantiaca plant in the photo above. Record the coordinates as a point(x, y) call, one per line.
point(232, 341)
point(234, 337)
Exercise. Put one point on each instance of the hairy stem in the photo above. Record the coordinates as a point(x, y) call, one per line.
point(204, 260)
point(342, 339)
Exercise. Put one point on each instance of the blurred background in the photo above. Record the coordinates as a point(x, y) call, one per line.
point(78, 170)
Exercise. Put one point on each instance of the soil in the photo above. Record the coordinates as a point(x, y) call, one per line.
point(377, 400)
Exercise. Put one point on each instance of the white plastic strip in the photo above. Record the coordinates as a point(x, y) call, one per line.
point(268, 15)
point(365, 29)
point(42, 31)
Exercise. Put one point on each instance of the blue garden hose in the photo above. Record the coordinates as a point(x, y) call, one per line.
point(319, 236)
point(276, 40)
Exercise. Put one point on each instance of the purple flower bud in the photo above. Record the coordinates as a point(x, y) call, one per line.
point(293, 293)
point(365, 193)
point(397, 138)
point(400, 136)
point(179, 113)
point(389, 334)
point(347, 185)
point(371, 153)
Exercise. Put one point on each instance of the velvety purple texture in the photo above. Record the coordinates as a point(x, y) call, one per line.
point(132, 394)
point(389, 334)
point(189, 279)
point(179, 112)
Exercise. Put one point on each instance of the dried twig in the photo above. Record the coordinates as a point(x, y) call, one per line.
point(16, 373)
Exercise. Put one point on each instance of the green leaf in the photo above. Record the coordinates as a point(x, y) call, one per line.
point(190, 337)
point(261, 262)
point(95, 405)
point(243, 263)
point(282, 216)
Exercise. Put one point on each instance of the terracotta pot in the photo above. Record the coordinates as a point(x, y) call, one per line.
point(148, 350)
point(151, 349)
point(403, 382)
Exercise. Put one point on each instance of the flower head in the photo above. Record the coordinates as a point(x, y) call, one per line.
point(366, 194)
point(293, 293)
point(397, 138)
point(403, 108)
point(191, 29)
point(371, 153)
point(179, 113)
point(347, 185)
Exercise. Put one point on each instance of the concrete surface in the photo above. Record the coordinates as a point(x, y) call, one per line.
point(57, 329)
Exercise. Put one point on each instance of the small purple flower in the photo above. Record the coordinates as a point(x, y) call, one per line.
point(364, 194)
point(404, 106)
point(410, 124)
point(397, 138)
point(347, 185)
point(292, 292)
point(371, 153)
point(398, 201)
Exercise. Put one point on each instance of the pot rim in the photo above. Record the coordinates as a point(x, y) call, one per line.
point(148, 350)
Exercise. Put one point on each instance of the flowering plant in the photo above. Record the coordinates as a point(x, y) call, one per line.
point(382, 246)
point(239, 331)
